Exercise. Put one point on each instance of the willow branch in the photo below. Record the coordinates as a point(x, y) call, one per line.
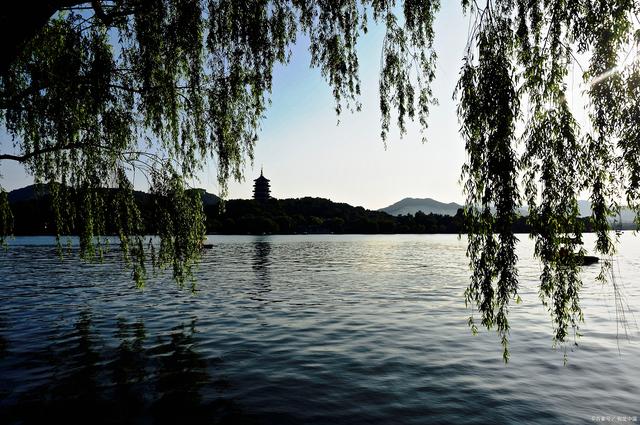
point(49, 149)
point(108, 18)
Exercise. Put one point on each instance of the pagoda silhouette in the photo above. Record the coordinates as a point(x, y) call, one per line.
point(261, 190)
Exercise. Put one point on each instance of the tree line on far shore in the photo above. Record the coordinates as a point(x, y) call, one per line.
point(33, 215)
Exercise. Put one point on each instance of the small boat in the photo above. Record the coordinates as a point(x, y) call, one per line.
point(586, 260)
point(207, 245)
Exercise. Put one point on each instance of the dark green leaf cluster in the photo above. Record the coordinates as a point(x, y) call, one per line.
point(488, 108)
point(6, 217)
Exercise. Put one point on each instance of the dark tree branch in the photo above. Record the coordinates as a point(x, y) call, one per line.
point(32, 15)
point(106, 19)
point(49, 149)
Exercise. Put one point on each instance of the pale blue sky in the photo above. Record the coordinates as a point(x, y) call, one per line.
point(305, 153)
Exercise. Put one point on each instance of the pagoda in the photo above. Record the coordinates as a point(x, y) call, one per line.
point(261, 190)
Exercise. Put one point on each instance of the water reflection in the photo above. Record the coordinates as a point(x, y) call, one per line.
point(71, 391)
point(261, 265)
point(143, 380)
point(3, 340)
point(129, 368)
point(4, 348)
point(180, 377)
point(261, 259)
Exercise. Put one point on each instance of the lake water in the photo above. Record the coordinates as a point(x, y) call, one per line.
point(303, 330)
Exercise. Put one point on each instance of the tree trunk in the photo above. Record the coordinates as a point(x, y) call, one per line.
point(20, 21)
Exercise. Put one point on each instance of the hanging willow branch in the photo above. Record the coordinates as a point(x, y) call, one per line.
point(524, 50)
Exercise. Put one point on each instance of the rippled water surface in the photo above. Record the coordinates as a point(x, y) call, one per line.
point(303, 330)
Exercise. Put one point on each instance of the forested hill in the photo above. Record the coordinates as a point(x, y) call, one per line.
point(318, 215)
point(426, 205)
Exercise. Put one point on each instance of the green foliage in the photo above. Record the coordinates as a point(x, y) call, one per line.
point(181, 226)
point(488, 109)
point(514, 75)
point(412, 43)
point(6, 217)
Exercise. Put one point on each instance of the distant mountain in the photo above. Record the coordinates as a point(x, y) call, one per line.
point(28, 193)
point(37, 191)
point(208, 199)
point(626, 215)
point(426, 205)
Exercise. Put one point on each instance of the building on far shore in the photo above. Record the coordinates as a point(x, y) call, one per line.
point(261, 189)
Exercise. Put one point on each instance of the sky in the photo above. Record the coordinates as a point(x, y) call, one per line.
point(305, 152)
